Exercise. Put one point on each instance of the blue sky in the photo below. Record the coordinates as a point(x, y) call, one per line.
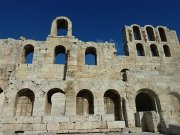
point(93, 20)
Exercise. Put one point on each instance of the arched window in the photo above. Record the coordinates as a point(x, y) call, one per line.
point(112, 103)
point(90, 56)
point(166, 51)
point(84, 103)
point(28, 54)
point(62, 27)
point(140, 50)
point(24, 103)
point(162, 34)
point(154, 50)
point(55, 102)
point(150, 34)
point(136, 32)
point(60, 56)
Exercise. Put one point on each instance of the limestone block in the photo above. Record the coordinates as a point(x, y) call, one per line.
point(12, 126)
point(8, 132)
point(76, 118)
point(53, 126)
point(115, 124)
point(39, 127)
point(34, 119)
point(138, 118)
point(21, 119)
point(99, 125)
point(62, 118)
point(93, 117)
point(83, 125)
point(8, 120)
point(47, 119)
point(27, 127)
point(52, 119)
point(108, 117)
point(69, 125)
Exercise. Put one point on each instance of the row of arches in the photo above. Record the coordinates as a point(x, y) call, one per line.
point(60, 55)
point(62, 26)
point(56, 102)
point(150, 33)
point(146, 101)
point(153, 49)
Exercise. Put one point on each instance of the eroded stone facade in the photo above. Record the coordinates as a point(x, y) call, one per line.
point(139, 91)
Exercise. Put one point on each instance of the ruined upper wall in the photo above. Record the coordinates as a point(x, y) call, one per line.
point(150, 34)
point(150, 41)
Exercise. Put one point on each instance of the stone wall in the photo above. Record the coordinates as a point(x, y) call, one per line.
point(76, 97)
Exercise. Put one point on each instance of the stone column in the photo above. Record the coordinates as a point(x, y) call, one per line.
point(98, 103)
point(39, 104)
point(121, 109)
point(70, 103)
point(130, 121)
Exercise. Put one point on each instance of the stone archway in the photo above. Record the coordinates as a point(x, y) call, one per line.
point(84, 102)
point(112, 104)
point(174, 107)
point(148, 108)
point(24, 103)
point(56, 104)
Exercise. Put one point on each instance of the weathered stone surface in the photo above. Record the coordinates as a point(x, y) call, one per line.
point(139, 91)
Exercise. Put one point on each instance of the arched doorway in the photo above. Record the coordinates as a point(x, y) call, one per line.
point(24, 103)
point(55, 105)
point(174, 107)
point(147, 110)
point(112, 104)
point(84, 103)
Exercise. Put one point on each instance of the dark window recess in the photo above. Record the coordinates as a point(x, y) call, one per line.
point(140, 50)
point(154, 50)
point(162, 34)
point(167, 51)
point(150, 34)
point(136, 32)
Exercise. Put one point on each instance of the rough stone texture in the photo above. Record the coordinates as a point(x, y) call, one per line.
point(118, 93)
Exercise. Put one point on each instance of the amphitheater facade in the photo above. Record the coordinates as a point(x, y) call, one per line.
point(136, 92)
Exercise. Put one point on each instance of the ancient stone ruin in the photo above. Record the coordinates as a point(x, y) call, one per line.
point(132, 93)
